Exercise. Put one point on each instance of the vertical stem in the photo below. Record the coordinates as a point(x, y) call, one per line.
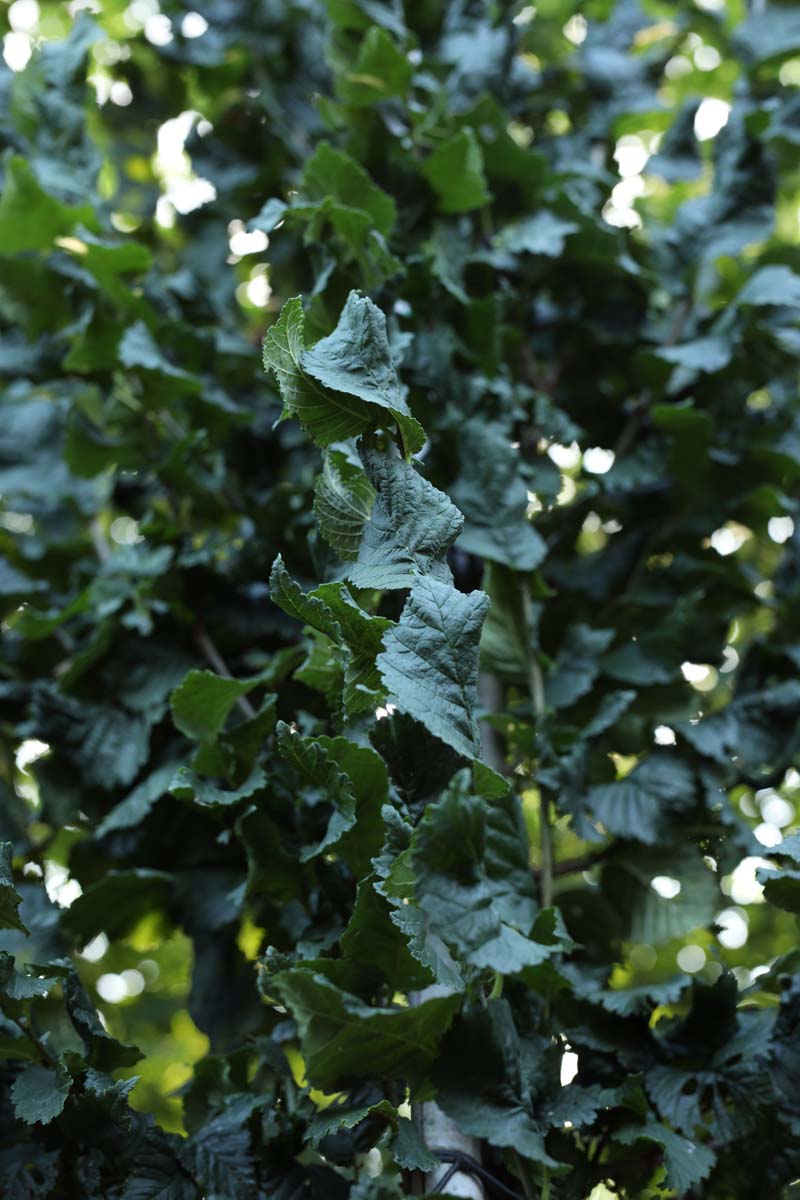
point(536, 690)
point(524, 1178)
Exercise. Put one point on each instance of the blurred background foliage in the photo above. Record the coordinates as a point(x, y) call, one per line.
point(157, 210)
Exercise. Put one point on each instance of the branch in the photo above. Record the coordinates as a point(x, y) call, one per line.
point(206, 645)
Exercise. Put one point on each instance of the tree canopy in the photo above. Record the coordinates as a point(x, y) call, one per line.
point(399, 452)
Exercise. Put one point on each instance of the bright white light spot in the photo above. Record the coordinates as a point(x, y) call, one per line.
point(699, 675)
point(134, 981)
point(691, 959)
point(125, 531)
point(28, 752)
point(597, 461)
point(742, 885)
point(789, 74)
point(243, 242)
point(565, 456)
point(533, 506)
point(733, 928)
point(23, 15)
point(373, 1162)
point(576, 29)
point(120, 93)
point(102, 88)
point(729, 538)
point(780, 529)
point(631, 155)
point(112, 988)
point(525, 15)
point(205, 127)
point(706, 58)
point(778, 811)
point(165, 213)
point(17, 50)
point(768, 834)
point(568, 491)
point(258, 290)
point(158, 29)
point(382, 713)
point(59, 887)
point(94, 950)
point(731, 660)
point(711, 116)
point(194, 25)
point(190, 194)
point(710, 5)
point(677, 66)
point(569, 1067)
point(665, 886)
point(664, 736)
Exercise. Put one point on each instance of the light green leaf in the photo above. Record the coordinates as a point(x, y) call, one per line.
point(410, 529)
point(380, 70)
point(202, 701)
point(430, 661)
point(30, 219)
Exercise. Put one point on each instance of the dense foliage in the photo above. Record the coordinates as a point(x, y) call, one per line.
point(459, 647)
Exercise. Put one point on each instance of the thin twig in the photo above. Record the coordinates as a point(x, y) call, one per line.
point(206, 644)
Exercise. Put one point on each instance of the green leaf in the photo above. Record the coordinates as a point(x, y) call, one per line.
point(543, 233)
point(649, 916)
point(768, 35)
point(39, 1094)
point(474, 882)
point(333, 612)
point(493, 498)
point(410, 528)
point(330, 173)
point(576, 666)
point(771, 286)
point(10, 898)
point(356, 360)
point(688, 1162)
point(205, 794)
point(134, 808)
point(343, 500)
point(380, 70)
point(410, 1151)
point(485, 1084)
point(202, 701)
point(342, 1036)
point(455, 173)
point(319, 770)
point(430, 661)
point(636, 806)
point(116, 902)
point(30, 219)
